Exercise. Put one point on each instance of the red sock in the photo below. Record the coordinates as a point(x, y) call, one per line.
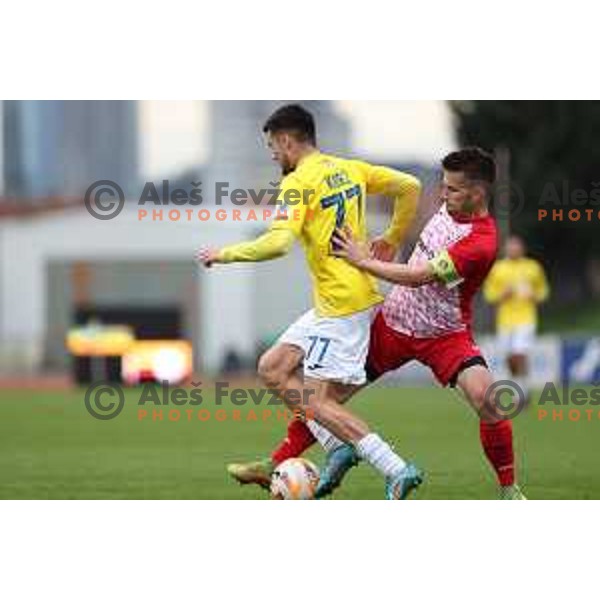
point(299, 438)
point(497, 442)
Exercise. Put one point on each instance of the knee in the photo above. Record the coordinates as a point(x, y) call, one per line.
point(479, 395)
point(483, 401)
point(270, 370)
point(490, 405)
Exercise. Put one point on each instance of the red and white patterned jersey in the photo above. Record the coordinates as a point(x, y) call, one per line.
point(462, 250)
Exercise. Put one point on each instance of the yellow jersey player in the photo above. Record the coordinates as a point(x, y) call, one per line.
point(516, 285)
point(323, 193)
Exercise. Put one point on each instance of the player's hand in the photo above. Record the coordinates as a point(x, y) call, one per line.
point(527, 295)
point(347, 247)
point(207, 256)
point(525, 292)
point(381, 249)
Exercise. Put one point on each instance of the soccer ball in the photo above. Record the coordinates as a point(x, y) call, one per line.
point(294, 479)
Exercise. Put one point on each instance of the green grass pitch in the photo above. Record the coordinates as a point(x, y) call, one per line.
point(50, 447)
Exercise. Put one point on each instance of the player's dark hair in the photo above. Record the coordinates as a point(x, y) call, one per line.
point(294, 119)
point(475, 163)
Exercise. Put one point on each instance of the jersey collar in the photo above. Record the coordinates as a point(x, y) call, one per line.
point(467, 218)
point(309, 158)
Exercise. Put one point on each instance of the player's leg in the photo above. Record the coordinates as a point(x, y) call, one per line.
point(322, 402)
point(521, 340)
point(336, 351)
point(341, 374)
point(333, 348)
point(340, 457)
point(324, 397)
point(385, 350)
point(386, 353)
point(496, 433)
point(278, 369)
point(517, 364)
point(457, 362)
point(401, 477)
point(518, 368)
point(301, 435)
point(278, 364)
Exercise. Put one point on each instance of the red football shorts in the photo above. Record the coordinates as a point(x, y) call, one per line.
point(446, 355)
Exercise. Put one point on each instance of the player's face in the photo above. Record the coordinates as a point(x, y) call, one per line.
point(514, 248)
point(460, 194)
point(281, 147)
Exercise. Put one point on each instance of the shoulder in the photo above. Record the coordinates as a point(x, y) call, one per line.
point(313, 173)
point(292, 181)
point(500, 266)
point(533, 262)
point(484, 234)
point(535, 265)
point(486, 226)
point(310, 173)
point(489, 233)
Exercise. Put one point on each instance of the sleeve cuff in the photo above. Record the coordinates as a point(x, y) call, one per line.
point(223, 256)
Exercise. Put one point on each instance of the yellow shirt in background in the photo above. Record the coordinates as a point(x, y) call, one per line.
point(335, 189)
point(526, 281)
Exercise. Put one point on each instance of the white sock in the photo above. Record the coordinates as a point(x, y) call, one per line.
point(324, 436)
point(380, 455)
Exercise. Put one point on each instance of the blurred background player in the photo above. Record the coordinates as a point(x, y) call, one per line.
point(331, 340)
point(515, 286)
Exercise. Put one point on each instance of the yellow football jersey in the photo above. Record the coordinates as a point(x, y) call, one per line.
point(324, 193)
point(516, 286)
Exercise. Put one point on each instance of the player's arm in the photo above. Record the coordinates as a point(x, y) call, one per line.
point(361, 257)
point(450, 267)
point(272, 244)
point(405, 190)
point(541, 288)
point(400, 274)
point(276, 242)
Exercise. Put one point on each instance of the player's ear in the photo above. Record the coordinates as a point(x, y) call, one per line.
point(285, 140)
point(479, 192)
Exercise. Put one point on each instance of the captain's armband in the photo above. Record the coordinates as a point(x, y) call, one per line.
point(445, 270)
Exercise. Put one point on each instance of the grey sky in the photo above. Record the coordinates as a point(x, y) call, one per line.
point(174, 133)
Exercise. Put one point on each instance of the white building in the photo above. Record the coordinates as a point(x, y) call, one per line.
point(139, 264)
point(55, 266)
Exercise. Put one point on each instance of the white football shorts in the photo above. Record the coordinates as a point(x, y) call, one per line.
point(518, 340)
point(335, 348)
